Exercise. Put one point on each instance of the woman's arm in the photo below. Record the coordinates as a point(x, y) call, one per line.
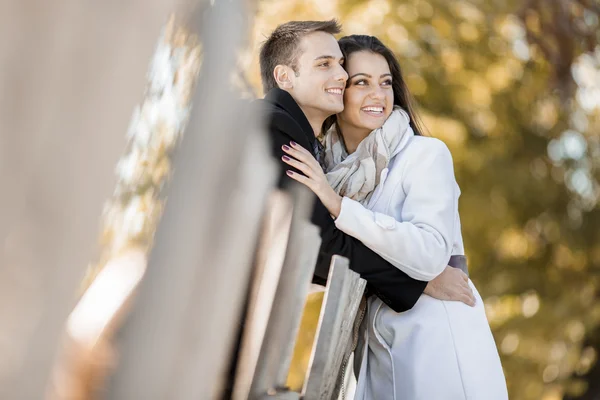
point(421, 244)
point(394, 287)
point(397, 291)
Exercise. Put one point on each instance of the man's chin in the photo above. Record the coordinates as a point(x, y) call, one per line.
point(335, 108)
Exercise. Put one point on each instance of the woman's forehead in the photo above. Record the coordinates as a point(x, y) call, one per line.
point(367, 62)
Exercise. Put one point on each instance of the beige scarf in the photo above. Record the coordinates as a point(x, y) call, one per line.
point(357, 175)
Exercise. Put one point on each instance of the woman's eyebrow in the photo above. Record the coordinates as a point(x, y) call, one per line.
point(360, 73)
point(385, 75)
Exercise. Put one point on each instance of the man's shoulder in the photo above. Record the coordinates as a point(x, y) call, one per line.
point(278, 119)
point(274, 112)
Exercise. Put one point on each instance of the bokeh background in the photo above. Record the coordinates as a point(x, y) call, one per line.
point(513, 88)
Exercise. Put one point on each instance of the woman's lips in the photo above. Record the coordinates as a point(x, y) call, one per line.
point(373, 111)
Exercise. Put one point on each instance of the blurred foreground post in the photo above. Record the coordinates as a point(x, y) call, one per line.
point(71, 73)
point(177, 342)
point(269, 258)
point(291, 289)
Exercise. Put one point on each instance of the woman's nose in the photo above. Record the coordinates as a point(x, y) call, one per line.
point(378, 93)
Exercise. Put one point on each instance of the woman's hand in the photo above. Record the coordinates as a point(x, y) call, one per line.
point(313, 177)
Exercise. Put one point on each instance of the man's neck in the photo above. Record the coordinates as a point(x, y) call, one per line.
point(315, 118)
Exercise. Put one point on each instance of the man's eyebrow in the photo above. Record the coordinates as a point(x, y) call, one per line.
point(326, 57)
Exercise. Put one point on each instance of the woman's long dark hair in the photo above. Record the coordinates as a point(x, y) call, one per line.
point(402, 97)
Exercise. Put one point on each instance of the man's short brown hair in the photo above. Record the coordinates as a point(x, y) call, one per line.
point(281, 47)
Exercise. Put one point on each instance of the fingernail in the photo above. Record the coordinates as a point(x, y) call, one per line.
point(290, 173)
point(286, 158)
point(285, 147)
point(293, 143)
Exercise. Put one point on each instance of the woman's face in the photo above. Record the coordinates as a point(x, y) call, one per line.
point(369, 98)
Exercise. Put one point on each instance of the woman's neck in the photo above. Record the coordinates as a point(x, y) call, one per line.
point(351, 135)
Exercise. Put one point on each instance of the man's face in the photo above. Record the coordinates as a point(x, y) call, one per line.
point(318, 85)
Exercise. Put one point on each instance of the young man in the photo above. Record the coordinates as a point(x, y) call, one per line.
point(304, 79)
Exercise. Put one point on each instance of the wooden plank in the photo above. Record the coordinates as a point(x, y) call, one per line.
point(177, 343)
point(157, 124)
point(296, 276)
point(86, 354)
point(334, 332)
point(280, 395)
point(267, 272)
point(71, 74)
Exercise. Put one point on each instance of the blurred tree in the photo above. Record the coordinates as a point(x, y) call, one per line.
point(514, 90)
point(561, 30)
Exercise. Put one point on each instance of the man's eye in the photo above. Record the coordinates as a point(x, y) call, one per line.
point(325, 64)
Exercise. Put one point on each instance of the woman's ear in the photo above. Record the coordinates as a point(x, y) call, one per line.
point(283, 78)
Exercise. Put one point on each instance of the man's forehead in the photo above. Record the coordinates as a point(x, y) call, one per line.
point(318, 44)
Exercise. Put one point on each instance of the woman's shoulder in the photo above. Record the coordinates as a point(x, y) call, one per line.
point(428, 143)
point(421, 154)
point(421, 147)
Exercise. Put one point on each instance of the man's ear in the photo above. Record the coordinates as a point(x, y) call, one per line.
point(283, 77)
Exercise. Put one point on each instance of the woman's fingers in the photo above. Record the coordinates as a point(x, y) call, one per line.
point(300, 166)
point(300, 178)
point(301, 149)
point(301, 154)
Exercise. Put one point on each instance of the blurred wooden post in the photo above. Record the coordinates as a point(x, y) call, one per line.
point(294, 282)
point(177, 342)
point(267, 272)
point(334, 332)
point(71, 74)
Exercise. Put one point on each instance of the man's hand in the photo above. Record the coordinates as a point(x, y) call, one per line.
point(452, 284)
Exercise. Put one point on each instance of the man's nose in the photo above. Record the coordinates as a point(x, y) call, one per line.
point(341, 74)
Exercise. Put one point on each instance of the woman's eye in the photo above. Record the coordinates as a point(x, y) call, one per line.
point(387, 83)
point(360, 82)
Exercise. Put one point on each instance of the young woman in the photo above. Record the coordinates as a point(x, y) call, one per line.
point(394, 190)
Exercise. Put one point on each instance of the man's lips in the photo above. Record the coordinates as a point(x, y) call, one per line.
point(335, 91)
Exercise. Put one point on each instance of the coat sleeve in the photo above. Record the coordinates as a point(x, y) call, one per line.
point(393, 286)
point(281, 135)
point(420, 244)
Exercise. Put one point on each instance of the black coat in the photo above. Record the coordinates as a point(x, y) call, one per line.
point(286, 122)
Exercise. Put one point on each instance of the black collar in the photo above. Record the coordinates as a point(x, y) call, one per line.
point(284, 100)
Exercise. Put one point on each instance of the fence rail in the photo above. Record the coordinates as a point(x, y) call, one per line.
point(218, 303)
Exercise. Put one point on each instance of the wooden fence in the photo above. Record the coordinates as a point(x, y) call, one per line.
point(215, 309)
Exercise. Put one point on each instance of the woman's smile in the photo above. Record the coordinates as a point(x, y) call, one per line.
point(374, 111)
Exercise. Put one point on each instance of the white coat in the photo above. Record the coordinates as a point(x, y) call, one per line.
point(438, 350)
